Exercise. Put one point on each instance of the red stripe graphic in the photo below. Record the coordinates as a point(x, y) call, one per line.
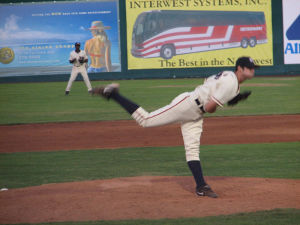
point(168, 108)
point(187, 37)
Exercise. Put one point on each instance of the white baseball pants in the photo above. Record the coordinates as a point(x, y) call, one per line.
point(182, 109)
point(74, 73)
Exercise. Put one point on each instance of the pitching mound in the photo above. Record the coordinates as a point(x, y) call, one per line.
point(144, 198)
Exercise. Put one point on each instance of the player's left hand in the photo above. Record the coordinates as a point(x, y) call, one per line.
point(239, 97)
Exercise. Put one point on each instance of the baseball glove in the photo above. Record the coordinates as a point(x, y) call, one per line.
point(81, 60)
point(239, 97)
point(72, 60)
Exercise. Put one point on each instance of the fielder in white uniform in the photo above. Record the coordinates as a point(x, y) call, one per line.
point(188, 109)
point(79, 59)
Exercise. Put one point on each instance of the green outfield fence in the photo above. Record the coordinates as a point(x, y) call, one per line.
point(279, 68)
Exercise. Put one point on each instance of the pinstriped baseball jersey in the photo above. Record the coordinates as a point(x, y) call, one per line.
point(221, 88)
point(75, 55)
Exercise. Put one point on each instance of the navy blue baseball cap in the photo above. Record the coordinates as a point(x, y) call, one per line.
point(246, 62)
point(77, 43)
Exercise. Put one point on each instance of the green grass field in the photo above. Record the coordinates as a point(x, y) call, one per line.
point(274, 160)
point(45, 102)
point(272, 217)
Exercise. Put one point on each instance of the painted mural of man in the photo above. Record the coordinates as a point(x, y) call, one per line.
point(98, 49)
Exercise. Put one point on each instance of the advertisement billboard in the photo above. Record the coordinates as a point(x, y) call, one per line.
point(186, 34)
point(37, 38)
point(291, 31)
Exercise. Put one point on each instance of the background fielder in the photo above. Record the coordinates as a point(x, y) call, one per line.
point(188, 109)
point(79, 59)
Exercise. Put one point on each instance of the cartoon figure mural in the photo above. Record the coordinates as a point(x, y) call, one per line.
point(98, 49)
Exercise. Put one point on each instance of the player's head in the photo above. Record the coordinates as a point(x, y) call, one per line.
point(245, 61)
point(77, 45)
point(245, 68)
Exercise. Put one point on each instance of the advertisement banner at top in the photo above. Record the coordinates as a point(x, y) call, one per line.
point(196, 33)
point(291, 31)
point(37, 38)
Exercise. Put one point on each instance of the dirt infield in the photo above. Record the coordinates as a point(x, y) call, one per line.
point(144, 197)
point(120, 134)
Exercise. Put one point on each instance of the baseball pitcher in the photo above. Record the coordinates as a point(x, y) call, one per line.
point(189, 109)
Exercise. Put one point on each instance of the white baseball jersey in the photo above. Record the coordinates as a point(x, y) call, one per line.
point(75, 55)
point(221, 88)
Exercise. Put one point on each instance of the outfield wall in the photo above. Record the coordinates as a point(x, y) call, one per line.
point(127, 68)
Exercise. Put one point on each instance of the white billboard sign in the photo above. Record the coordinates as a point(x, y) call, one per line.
point(291, 31)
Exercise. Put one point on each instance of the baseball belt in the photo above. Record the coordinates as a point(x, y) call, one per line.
point(201, 107)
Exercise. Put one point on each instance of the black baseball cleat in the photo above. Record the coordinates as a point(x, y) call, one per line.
point(206, 191)
point(106, 91)
point(67, 93)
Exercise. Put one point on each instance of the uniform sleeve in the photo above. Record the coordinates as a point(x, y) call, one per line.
point(226, 88)
point(71, 56)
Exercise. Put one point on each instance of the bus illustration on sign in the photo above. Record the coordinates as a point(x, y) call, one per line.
point(166, 33)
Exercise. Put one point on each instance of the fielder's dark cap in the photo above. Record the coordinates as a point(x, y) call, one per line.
point(246, 62)
point(77, 43)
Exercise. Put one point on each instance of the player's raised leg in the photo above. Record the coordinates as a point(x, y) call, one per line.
point(112, 91)
point(182, 108)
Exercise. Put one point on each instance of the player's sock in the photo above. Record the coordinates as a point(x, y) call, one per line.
point(127, 104)
point(196, 169)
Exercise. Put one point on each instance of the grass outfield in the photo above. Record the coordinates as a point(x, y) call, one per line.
point(276, 160)
point(272, 217)
point(46, 102)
